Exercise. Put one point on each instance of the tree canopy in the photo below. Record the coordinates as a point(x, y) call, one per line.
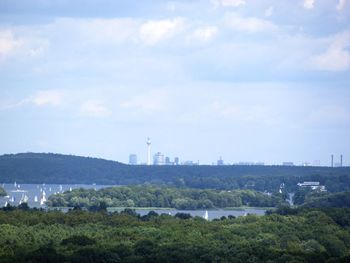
point(311, 235)
point(341, 200)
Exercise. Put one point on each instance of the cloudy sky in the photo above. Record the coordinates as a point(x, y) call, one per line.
point(248, 80)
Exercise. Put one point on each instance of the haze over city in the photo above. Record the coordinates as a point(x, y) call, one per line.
point(248, 80)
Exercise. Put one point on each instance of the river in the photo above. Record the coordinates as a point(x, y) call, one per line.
point(34, 193)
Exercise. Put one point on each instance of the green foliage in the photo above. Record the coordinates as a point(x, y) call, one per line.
point(153, 196)
point(309, 235)
point(309, 198)
point(300, 196)
point(65, 169)
point(78, 241)
point(2, 192)
point(183, 215)
point(44, 254)
point(341, 199)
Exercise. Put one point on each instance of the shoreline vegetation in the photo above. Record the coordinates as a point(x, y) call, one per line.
point(164, 197)
point(2, 192)
point(118, 209)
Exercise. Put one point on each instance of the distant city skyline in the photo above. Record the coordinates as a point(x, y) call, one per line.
point(161, 158)
point(248, 80)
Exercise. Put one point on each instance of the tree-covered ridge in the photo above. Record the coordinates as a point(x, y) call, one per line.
point(82, 236)
point(2, 192)
point(154, 196)
point(61, 169)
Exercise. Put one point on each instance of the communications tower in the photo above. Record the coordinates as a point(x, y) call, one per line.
point(148, 151)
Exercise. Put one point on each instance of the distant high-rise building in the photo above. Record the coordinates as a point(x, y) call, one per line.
point(167, 160)
point(158, 159)
point(133, 159)
point(220, 162)
point(341, 160)
point(332, 160)
point(176, 161)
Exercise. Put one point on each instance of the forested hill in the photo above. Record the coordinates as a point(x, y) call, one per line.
point(57, 168)
point(61, 169)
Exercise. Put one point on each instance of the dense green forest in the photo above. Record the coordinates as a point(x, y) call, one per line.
point(2, 192)
point(57, 168)
point(341, 199)
point(309, 198)
point(153, 196)
point(82, 236)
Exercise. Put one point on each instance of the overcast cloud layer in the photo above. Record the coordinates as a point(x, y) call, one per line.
point(247, 80)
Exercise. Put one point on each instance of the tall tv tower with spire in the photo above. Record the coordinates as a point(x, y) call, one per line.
point(148, 151)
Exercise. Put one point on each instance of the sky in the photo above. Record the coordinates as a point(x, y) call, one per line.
point(245, 80)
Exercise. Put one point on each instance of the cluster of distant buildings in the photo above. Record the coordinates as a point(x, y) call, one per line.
point(160, 158)
point(318, 163)
point(315, 186)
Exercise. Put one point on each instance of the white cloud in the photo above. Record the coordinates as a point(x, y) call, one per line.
point(228, 3)
point(337, 56)
point(269, 11)
point(97, 30)
point(47, 98)
point(341, 5)
point(18, 42)
point(153, 101)
point(94, 108)
point(309, 4)
point(53, 98)
point(248, 24)
point(333, 60)
point(8, 43)
point(234, 3)
point(155, 31)
point(205, 34)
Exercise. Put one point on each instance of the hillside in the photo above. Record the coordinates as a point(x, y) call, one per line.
point(57, 168)
point(61, 169)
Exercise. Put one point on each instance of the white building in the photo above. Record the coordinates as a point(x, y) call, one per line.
point(313, 186)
